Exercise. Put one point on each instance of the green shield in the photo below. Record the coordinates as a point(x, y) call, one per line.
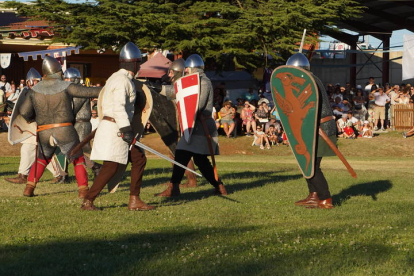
point(296, 98)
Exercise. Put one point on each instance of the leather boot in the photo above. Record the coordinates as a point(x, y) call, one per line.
point(19, 179)
point(87, 205)
point(83, 190)
point(311, 200)
point(136, 204)
point(220, 190)
point(191, 178)
point(325, 204)
point(29, 190)
point(171, 191)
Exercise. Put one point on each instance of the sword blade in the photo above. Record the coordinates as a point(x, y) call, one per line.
point(141, 145)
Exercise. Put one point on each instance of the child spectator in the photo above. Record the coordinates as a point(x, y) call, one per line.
point(285, 139)
point(366, 130)
point(272, 135)
point(260, 137)
point(341, 124)
point(349, 131)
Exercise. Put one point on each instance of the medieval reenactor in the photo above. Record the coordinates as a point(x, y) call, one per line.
point(49, 104)
point(204, 138)
point(22, 132)
point(117, 131)
point(164, 116)
point(307, 118)
point(83, 113)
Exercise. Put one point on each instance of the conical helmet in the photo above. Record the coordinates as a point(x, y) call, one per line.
point(194, 61)
point(130, 53)
point(50, 66)
point(33, 74)
point(177, 67)
point(299, 60)
point(72, 74)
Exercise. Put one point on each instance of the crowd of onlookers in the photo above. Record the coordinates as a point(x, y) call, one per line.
point(360, 111)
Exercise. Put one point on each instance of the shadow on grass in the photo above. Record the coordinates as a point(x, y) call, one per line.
point(365, 189)
point(202, 251)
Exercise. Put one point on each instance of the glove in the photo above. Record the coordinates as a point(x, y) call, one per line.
point(127, 135)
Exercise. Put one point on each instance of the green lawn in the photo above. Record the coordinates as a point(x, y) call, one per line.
point(255, 230)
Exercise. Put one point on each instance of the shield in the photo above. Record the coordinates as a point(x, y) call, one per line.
point(5, 60)
point(296, 99)
point(143, 108)
point(187, 91)
point(19, 128)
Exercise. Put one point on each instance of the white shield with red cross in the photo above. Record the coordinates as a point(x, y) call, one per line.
point(187, 91)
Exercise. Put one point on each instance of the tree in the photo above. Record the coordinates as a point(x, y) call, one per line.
point(244, 31)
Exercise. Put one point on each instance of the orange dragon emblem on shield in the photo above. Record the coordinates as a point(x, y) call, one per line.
point(294, 106)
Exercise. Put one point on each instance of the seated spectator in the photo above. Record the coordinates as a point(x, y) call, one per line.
point(262, 113)
point(285, 139)
point(275, 123)
point(227, 113)
point(260, 137)
point(215, 117)
point(341, 124)
point(349, 132)
point(366, 130)
point(356, 124)
point(359, 110)
point(248, 119)
point(337, 93)
point(347, 106)
point(273, 135)
point(338, 103)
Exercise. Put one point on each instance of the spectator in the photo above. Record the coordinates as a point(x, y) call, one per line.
point(337, 93)
point(94, 119)
point(392, 92)
point(14, 95)
point(262, 113)
point(349, 132)
point(341, 124)
point(5, 86)
point(347, 91)
point(260, 137)
point(347, 106)
point(273, 135)
point(356, 124)
point(247, 117)
point(404, 96)
point(359, 110)
point(273, 121)
point(217, 98)
point(250, 95)
point(366, 130)
point(379, 107)
point(227, 113)
point(371, 86)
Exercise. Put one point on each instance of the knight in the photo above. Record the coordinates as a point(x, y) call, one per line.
point(83, 113)
point(204, 138)
point(319, 195)
point(49, 104)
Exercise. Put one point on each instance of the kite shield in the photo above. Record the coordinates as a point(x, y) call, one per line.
point(296, 98)
point(187, 91)
point(19, 128)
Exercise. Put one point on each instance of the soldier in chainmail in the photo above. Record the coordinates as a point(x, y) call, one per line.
point(319, 195)
point(49, 103)
point(198, 147)
point(83, 113)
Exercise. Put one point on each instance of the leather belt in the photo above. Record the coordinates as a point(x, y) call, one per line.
point(82, 121)
point(107, 118)
point(379, 105)
point(49, 126)
point(326, 119)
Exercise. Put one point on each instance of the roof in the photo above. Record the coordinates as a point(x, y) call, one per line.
point(381, 18)
point(155, 67)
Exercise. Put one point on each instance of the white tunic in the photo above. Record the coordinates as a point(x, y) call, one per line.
point(118, 103)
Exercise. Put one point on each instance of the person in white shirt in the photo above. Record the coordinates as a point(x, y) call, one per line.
point(371, 86)
point(381, 99)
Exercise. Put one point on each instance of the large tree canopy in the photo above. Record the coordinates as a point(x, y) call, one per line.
point(244, 31)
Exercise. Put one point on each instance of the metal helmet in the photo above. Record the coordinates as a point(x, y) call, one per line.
point(32, 75)
point(73, 75)
point(177, 67)
point(130, 53)
point(194, 61)
point(299, 60)
point(50, 66)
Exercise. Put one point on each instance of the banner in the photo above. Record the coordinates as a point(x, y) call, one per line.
point(62, 52)
point(408, 57)
point(5, 60)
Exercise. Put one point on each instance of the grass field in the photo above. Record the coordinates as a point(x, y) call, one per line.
point(255, 230)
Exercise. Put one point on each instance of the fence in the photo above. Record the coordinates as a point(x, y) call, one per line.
point(403, 116)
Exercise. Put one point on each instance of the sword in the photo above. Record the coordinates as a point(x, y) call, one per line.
point(141, 145)
point(337, 152)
